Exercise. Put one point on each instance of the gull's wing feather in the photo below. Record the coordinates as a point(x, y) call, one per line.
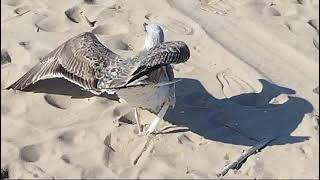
point(173, 52)
point(44, 68)
point(78, 60)
point(166, 53)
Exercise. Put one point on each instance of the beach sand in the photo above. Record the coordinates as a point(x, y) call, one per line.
point(253, 72)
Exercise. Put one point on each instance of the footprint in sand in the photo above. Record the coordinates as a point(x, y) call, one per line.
point(117, 42)
point(249, 92)
point(280, 9)
point(271, 11)
point(5, 109)
point(310, 29)
point(257, 167)
point(108, 149)
point(113, 13)
point(100, 2)
point(57, 101)
point(25, 44)
point(171, 24)
point(316, 42)
point(314, 23)
point(241, 91)
point(301, 28)
point(5, 57)
point(90, 1)
point(305, 2)
point(316, 117)
point(22, 10)
point(220, 7)
point(93, 11)
point(120, 111)
point(65, 158)
point(73, 14)
point(12, 2)
point(30, 153)
point(275, 8)
point(185, 140)
point(27, 171)
point(72, 136)
point(316, 90)
point(111, 29)
point(306, 151)
point(120, 44)
point(92, 172)
point(96, 12)
point(233, 85)
point(83, 14)
point(58, 23)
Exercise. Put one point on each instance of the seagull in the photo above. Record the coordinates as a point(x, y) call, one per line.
point(144, 81)
point(160, 99)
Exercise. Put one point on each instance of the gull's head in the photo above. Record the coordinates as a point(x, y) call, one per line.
point(154, 35)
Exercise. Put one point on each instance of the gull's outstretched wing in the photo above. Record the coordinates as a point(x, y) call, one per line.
point(81, 60)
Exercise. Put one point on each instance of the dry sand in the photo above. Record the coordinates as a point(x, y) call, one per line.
point(253, 72)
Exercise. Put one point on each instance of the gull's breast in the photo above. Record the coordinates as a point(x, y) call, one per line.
point(150, 97)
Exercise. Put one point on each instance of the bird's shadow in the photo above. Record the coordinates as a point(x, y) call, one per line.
point(61, 86)
point(240, 120)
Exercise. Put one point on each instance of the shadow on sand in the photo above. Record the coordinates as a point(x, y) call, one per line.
point(63, 87)
point(240, 120)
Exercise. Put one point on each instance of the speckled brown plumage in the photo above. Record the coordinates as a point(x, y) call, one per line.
point(85, 61)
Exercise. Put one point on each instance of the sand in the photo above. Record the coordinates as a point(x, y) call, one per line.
point(253, 72)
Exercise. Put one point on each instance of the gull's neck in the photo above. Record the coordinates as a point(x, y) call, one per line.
point(152, 40)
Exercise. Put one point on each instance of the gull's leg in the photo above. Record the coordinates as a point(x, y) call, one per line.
point(156, 121)
point(136, 116)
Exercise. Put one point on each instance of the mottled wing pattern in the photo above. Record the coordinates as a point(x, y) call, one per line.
point(173, 52)
point(86, 61)
point(46, 68)
point(82, 60)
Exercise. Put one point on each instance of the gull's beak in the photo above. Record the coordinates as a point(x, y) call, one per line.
point(145, 26)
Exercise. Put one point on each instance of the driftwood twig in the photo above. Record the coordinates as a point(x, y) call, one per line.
point(261, 144)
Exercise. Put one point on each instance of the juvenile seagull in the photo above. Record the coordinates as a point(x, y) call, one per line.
point(144, 81)
point(159, 98)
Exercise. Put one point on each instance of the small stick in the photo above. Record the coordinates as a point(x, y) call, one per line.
point(246, 154)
